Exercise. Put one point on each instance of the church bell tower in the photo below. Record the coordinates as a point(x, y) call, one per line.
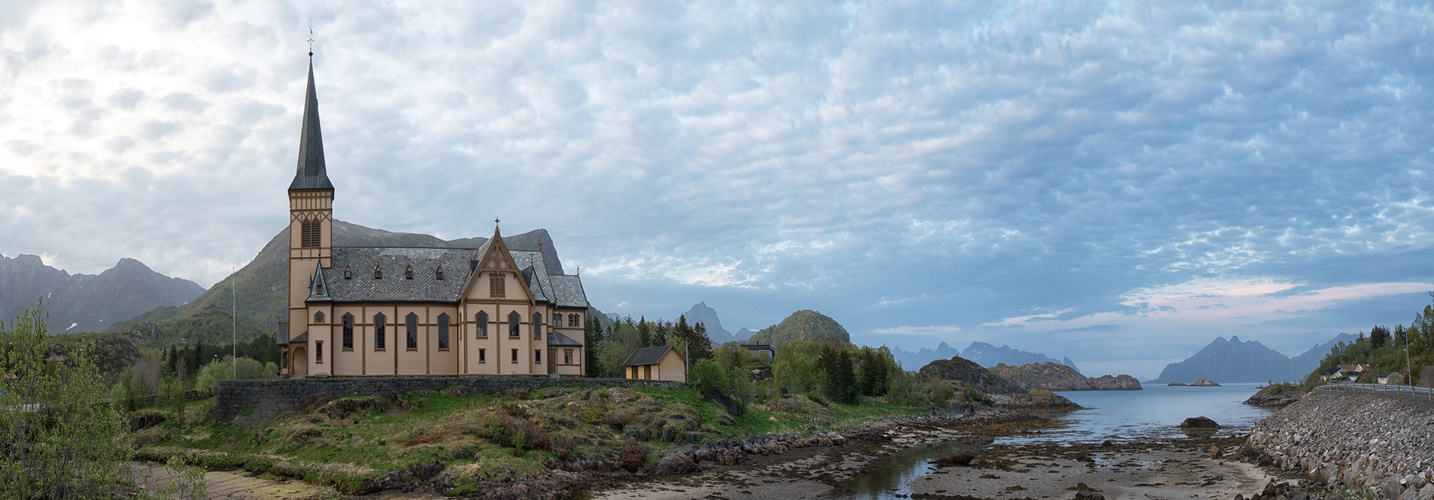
point(311, 201)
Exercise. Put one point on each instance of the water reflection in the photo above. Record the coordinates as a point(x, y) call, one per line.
point(893, 474)
point(1154, 413)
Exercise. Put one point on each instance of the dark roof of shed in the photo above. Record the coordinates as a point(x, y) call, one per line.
point(647, 355)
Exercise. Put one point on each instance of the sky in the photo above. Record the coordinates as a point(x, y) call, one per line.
point(1115, 182)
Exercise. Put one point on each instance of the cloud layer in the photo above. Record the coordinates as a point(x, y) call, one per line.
point(917, 170)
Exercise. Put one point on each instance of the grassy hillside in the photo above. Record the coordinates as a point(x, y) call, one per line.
point(801, 325)
point(260, 288)
point(476, 437)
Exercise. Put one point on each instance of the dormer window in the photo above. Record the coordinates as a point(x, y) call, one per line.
point(378, 272)
point(439, 272)
point(348, 274)
point(408, 274)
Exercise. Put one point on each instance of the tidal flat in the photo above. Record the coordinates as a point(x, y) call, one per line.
point(905, 467)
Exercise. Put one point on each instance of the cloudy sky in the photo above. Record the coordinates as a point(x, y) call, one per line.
point(1117, 182)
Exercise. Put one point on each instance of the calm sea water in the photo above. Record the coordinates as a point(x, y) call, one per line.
point(1152, 413)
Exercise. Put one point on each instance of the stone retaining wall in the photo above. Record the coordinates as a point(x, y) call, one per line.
point(273, 396)
point(1383, 442)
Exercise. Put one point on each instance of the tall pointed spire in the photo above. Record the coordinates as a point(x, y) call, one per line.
point(311, 173)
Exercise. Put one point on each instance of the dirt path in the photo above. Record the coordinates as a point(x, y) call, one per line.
point(234, 484)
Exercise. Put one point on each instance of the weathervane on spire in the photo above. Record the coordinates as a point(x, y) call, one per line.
point(311, 40)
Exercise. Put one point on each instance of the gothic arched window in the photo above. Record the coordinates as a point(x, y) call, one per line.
point(513, 320)
point(348, 331)
point(379, 324)
point(443, 331)
point(412, 321)
point(481, 326)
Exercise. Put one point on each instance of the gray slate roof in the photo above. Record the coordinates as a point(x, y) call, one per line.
point(557, 339)
point(647, 355)
point(393, 286)
point(560, 290)
point(311, 172)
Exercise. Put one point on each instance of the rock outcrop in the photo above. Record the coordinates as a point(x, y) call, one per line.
point(1278, 395)
point(1335, 439)
point(994, 389)
point(1056, 377)
point(1204, 383)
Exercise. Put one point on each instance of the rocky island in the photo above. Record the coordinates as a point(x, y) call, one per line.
point(1056, 377)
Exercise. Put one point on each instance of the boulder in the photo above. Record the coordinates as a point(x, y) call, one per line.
point(675, 463)
point(1199, 423)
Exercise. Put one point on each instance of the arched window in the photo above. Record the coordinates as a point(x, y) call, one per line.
point(443, 331)
point(378, 272)
point(408, 274)
point(319, 317)
point(379, 323)
point(557, 319)
point(348, 331)
point(439, 272)
point(481, 324)
point(412, 321)
point(513, 320)
point(537, 326)
point(572, 320)
point(348, 274)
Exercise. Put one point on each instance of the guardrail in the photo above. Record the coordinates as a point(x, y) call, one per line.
point(1425, 393)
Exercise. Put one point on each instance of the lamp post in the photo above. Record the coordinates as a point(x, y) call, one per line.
point(233, 324)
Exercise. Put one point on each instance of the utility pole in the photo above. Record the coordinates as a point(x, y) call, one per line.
point(234, 323)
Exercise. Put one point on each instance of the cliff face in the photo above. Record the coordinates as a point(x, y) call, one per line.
point(1055, 377)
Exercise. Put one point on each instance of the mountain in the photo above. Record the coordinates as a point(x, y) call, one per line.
point(923, 356)
point(981, 353)
point(262, 284)
point(707, 316)
point(805, 324)
point(1231, 361)
point(84, 302)
point(988, 356)
point(743, 334)
point(1058, 377)
point(1303, 365)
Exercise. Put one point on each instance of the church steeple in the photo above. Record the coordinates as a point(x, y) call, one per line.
point(311, 173)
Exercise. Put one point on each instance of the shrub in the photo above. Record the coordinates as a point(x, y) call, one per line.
point(522, 434)
point(709, 376)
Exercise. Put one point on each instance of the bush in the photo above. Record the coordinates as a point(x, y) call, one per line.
point(59, 438)
point(709, 376)
point(1396, 378)
point(219, 370)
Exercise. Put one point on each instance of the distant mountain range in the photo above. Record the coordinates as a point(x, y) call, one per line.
point(981, 353)
point(1236, 361)
point(85, 302)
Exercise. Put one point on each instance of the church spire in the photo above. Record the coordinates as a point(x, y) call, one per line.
point(311, 173)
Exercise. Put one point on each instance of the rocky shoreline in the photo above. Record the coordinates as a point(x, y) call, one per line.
point(1382, 443)
point(564, 479)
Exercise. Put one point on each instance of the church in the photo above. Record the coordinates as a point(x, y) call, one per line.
point(394, 311)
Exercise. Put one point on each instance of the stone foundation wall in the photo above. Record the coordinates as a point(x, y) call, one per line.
point(1383, 442)
point(272, 396)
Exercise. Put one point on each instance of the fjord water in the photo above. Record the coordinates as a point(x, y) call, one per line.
point(1152, 413)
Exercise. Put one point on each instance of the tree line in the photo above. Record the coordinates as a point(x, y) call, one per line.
point(1400, 350)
